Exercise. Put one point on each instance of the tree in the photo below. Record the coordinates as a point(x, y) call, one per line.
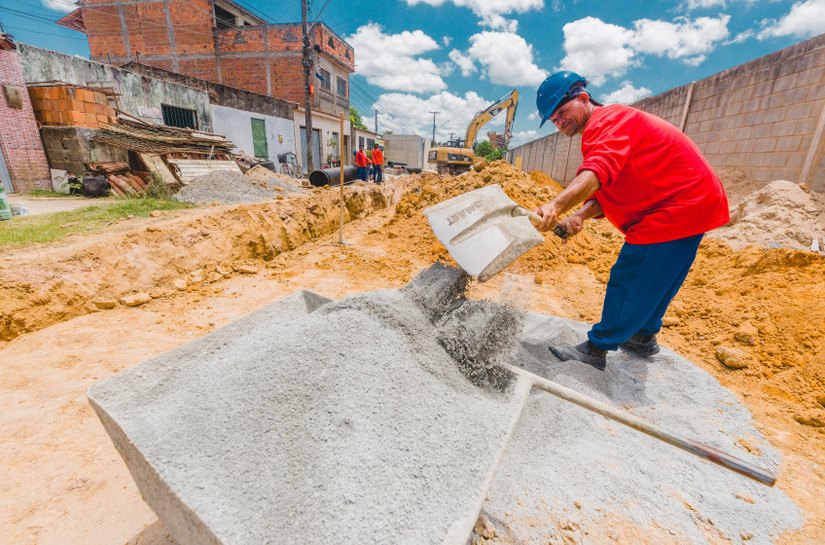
point(387, 132)
point(488, 151)
point(355, 119)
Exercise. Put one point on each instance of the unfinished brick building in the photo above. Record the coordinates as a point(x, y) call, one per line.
point(218, 41)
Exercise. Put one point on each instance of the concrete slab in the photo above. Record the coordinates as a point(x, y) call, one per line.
point(313, 422)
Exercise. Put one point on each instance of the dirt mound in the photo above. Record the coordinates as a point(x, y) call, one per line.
point(270, 178)
point(781, 214)
point(53, 284)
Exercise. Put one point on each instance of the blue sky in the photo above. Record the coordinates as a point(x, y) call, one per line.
point(457, 56)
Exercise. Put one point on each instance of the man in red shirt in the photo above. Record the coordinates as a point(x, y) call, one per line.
point(361, 163)
point(377, 164)
point(653, 184)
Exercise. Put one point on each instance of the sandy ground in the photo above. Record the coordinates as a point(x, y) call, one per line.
point(61, 480)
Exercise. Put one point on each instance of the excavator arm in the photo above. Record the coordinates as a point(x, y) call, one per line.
point(509, 102)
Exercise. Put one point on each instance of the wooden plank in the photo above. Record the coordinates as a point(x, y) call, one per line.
point(156, 165)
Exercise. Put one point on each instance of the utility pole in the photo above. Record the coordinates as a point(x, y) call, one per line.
point(308, 79)
point(450, 141)
point(376, 122)
point(434, 114)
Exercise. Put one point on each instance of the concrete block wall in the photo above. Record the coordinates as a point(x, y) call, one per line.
point(20, 143)
point(764, 117)
point(139, 95)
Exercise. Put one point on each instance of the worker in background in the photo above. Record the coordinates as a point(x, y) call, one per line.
point(377, 164)
point(651, 182)
point(361, 163)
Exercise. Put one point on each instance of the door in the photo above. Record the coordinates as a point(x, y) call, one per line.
point(316, 148)
point(5, 177)
point(259, 138)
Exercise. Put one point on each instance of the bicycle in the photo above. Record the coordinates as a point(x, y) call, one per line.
point(290, 166)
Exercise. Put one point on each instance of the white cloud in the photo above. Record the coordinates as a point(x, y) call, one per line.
point(683, 39)
point(533, 116)
point(64, 6)
point(703, 4)
point(507, 59)
point(406, 113)
point(601, 51)
point(805, 19)
point(626, 94)
point(490, 11)
point(446, 41)
point(389, 60)
point(464, 62)
point(522, 137)
point(596, 49)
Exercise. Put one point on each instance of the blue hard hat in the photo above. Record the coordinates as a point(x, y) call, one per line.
point(556, 90)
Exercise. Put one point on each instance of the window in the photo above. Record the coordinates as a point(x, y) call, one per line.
point(342, 87)
point(224, 18)
point(360, 141)
point(326, 80)
point(331, 43)
point(179, 117)
point(370, 143)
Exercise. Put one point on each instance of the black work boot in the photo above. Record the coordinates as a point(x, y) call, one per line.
point(585, 352)
point(643, 344)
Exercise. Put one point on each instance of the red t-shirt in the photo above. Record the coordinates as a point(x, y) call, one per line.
point(655, 184)
point(377, 157)
point(360, 159)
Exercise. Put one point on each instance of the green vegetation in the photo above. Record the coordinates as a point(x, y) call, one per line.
point(355, 119)
point(27, 230)
point(47, 193)
point(488, 151)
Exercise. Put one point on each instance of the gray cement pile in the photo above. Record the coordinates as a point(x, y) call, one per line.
point(227, 187)
point(362, 421)
point(345, 423)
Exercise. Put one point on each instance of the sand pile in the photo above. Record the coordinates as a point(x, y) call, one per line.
point(270, 178)
point(781, 214)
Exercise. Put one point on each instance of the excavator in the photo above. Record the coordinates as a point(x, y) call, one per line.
point(455, 160)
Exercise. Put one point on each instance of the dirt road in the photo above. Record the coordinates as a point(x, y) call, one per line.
point(61, 480)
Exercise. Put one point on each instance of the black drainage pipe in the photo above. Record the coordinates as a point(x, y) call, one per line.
point(331, 176)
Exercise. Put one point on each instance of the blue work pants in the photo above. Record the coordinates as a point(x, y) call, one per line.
point(378, 174)
point(362, 173)
point(643, 281)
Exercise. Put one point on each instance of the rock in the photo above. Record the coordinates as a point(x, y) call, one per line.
point(815, 419)
point(821, 399)
point(246, 269)
point(485, 528)
point(538, 279)
point(153, 229)
point(578, 504)
point(196, 277)
point(746, 536)
point(105, 304)
point(221, 271)
point(135, 299)
point(670, 321)
point(747, 333)
point(732, 357)
point(154, 213)
point(180, 284)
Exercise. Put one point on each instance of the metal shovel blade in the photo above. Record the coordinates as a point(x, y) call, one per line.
point(480, 231)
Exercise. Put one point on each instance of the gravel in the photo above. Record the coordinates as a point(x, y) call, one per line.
point(229, 187)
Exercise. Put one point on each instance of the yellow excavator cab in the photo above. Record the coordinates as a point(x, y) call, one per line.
point(455, 160)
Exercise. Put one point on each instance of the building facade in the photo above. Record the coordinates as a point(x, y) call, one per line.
point(221, 42)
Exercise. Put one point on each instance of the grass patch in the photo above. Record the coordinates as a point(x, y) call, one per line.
point(47, 193)
point(27, 230)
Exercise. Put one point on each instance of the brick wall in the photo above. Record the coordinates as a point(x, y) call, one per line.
point(19, 136)
point(178, 35)
point(764, 117)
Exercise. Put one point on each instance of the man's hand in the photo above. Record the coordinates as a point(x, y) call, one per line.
point(549, 215)
point(573, 224)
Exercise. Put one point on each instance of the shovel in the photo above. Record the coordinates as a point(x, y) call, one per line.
point(484, 230)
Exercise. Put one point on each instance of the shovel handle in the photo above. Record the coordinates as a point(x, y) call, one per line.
point(536, 220)
point(694, 447)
